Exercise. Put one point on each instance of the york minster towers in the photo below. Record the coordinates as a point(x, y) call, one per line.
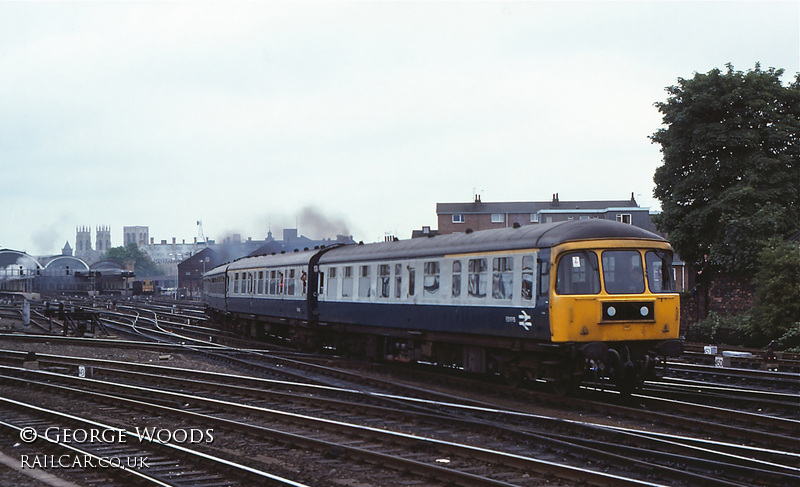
point(83, 243)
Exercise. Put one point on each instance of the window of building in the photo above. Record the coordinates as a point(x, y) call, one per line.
point(456, 278)
point(384, 280)
point(347, 282)
point(430, 281)
point(502, 278)
point(578, 273)
point(476, 277)
point(534, 218)
point(624, 218)
point(458, 218)
point(498, 218)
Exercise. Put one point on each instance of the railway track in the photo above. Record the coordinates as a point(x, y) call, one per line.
point(615, 442)
point(96, 453)
point(454, 430)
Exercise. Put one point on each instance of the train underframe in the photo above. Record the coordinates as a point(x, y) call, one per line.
point(565, 366)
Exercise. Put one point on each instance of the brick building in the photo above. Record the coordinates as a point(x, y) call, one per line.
point(477, 215)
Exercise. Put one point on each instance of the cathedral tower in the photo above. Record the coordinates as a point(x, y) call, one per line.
point(103, 242)
point(83, 241)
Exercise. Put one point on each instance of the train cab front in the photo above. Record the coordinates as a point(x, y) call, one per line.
point(616, 302)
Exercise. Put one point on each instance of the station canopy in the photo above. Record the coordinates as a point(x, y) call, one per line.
point(12, 260)
point(60, 264)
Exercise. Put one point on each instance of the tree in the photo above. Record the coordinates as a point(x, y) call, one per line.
point(777, 291)
point(731, 173)
point(144, 265)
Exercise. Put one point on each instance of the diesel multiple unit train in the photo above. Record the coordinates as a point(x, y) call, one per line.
point(559, 301)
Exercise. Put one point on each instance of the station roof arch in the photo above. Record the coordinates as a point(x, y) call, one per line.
point(63, 261)
point(14, 259)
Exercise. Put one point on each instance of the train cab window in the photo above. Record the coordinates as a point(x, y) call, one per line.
point(659, 271)
point(622, 272)
point(527, 277)
point(398, 281)
point(384, 280)
point(333, 288)
point(430, 280)
point(502, 278)
point(364, 283)
point(577, 273)
point(347, 282)
point(456, 278)
point(476, 277)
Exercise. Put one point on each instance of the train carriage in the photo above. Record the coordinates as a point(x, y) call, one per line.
point(549, 301)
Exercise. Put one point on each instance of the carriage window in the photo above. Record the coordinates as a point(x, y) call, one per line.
point(659, 271)
point(260, 282)
point(273, 282)
point(622, 272)
point(456, 278)
point(398, 281)
point(249, 283)
point(332, 283)
point(281, 282)
point(236, 283)
point(347, 282)
point(363, 282)
point(411, 275)
point(502, 277)
point(430, 281)
point(527, 277)
point(384, 280)
point(476, 277)
point(290, 281)
point(577, 273)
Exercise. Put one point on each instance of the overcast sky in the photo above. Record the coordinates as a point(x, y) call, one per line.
point(342, 117)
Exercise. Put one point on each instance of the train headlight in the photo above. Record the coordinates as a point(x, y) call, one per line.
point(611, 311)
point(644, 311)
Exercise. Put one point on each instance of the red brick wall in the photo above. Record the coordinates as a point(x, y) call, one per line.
point(727, 295)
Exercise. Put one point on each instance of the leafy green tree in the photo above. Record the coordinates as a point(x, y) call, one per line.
point(144, 265)
point(777, 280)
point(731, 173)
